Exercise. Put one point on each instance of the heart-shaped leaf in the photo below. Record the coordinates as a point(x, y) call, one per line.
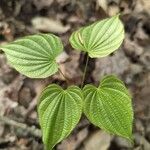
point(34, 56)
point(109, 106)
point(99, 39)
point(59, 111)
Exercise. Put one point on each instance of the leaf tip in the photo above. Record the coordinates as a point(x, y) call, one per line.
point(131, 139)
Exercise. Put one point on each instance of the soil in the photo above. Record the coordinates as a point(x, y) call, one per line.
point(19, 127)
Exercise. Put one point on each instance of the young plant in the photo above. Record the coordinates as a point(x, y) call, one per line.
point(107, 106)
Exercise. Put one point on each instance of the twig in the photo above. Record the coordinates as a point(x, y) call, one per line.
point(31, 107)
point(31, 130)
point(67, 80)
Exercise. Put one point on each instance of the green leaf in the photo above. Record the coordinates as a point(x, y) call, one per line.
point(34, 56)
point(59, 111)
point(109, 106)
point(99, 39)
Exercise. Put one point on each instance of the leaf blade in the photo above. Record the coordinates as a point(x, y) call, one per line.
point(99, 39)
point(34, 56)
point(109, 106)
point(59, 111)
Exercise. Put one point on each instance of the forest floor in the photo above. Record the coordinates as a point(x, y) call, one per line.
point(19, 127)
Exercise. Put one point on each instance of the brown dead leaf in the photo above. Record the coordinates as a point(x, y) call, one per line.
point(42, 3)
point(145, 59)
point(14, 88)
point(113, 10)
point(63, 57)
point(103, 4)
point(110, 65)
point(6, 103)
point(71, 68)
point(73, 142)
point(49, 25)
point(98, 140)
point(142, 6)
point(132, 49)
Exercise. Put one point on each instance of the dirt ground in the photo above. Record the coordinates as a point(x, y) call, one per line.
point(19, 128)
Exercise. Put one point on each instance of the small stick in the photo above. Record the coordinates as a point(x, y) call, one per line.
point(31, 130)
point(67, 80)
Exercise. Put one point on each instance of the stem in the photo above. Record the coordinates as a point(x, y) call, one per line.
point(85, 69)
point(67, 80)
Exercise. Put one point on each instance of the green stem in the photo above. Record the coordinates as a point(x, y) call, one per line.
point(85, 69)
point(67, 80)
